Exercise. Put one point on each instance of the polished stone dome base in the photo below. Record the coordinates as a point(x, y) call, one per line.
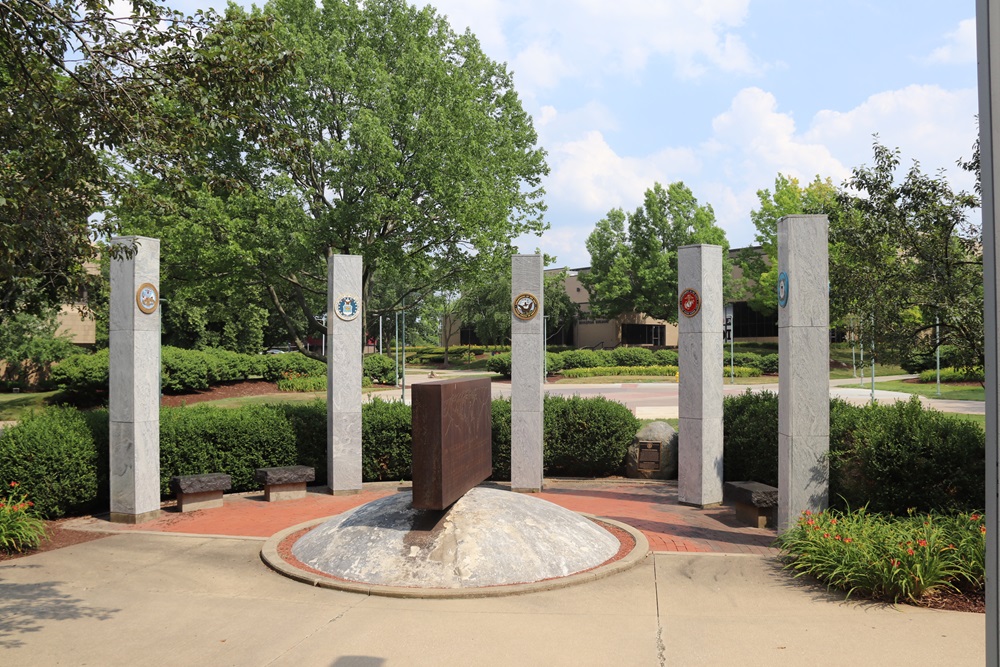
point(489, 538)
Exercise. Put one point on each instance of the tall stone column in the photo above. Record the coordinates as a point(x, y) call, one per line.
point(803, 366)
point(134, 381)
point(527, 333)
point(343, 352)
point(699, 335)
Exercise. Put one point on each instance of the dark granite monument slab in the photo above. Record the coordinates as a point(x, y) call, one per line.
point(452, 440)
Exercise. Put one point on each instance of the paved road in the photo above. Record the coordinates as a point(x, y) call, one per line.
point(658, 400)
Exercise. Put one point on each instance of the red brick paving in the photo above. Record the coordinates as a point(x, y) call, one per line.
point(651, 507)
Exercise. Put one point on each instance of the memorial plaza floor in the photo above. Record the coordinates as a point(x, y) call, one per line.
point(191, 588)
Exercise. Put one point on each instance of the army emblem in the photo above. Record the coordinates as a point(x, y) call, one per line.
point(147, 298)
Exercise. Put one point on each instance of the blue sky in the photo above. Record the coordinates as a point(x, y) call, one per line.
point(723, 95)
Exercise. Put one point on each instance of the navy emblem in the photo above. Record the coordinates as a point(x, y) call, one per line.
point(525, 306)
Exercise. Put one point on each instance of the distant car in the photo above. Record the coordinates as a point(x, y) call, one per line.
point(279, 350)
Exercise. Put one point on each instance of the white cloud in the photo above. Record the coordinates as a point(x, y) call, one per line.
point(549, 42)
point(959, 47)
point(592, 177)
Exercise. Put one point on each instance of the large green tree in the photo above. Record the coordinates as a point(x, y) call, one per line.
point(633, 257)
point(76, 79)
point(906, 258)
point(396, 139)
point(760, 263)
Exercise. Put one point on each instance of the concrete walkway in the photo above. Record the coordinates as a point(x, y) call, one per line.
point(191, 589)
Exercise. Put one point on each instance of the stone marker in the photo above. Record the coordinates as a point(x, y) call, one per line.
point(699, 335)
point(344, 340)
point(527, 350)
point(803, 367)
point(452, 440)
point(134, 382)
point(653, 453)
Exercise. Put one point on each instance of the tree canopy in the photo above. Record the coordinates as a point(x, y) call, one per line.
point(395, 139)
point(633, 257)
point(760, 263)
point(76, 80)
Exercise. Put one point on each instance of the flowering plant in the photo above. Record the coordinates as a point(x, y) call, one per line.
point(888, 557)
point(20, 529)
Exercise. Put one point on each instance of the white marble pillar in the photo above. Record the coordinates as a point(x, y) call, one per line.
point(527, 333)
point(134, 381)
point(699, 335)
point(803, 366)
point(343, 352)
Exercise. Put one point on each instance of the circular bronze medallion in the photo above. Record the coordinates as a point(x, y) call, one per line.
point(690, 303)
point(525, 306)
point(147, 298)
point(348, 308)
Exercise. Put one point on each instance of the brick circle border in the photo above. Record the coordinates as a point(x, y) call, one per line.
point(273, 559)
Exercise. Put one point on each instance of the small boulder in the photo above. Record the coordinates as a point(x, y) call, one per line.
point(665, 436)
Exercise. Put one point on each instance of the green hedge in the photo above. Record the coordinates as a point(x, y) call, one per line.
point(83, 377)
point(892, 458)
point(632, 356)
point(385, 440)
point(601, 371)
point(53, 458)
point(291, 364)
point(237, 442)
point(500, 428)
point(587, 437)
point(954, 375)
point(499, 363)
point(380, 368)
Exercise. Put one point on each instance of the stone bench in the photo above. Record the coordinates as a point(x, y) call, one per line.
point(756, 504)
point(200, 492)
point(284, 483)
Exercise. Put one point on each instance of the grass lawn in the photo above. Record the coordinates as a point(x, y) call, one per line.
point(955, 392)
point(16, 406)
point(979, 419)
point(281, 397)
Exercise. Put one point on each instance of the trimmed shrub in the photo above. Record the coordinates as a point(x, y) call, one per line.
point(183, 371)
point(750, 437)
point(768, 364)
point(632, 356)
point(380, 368)
point(500, 426)
point(308, 422)
point(52, 457)
point(83, 377)
point(278, 366)
point(237, 442)
point(900, 457)
point(307, 383)
point(601, 371)
point(385, 440)
point(581, 359)
point(890, 458)
point(954, 375)
point(553, 363)
point(587, 436)
point(665, 357)
point(499, 363)
point(228, 366)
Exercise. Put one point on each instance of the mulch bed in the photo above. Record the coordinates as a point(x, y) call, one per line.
point(227, 390)
point(58, 537)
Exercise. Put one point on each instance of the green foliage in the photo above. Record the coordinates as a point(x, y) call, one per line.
point(236, 442)
point(553, 363)
point(307, 383)
point(296, 364)
point(899, 457)
point(499, 363)
point(500, 429)
point(20, 528)
point(309, 424)
point(586, 436)
point(888, 558)
point(750, 437)
point(28, 348)
point(385, 440)
point(954, 375)
point(52, 455)
point(581, 359)
point(601, 371)
point(183, 371)
point(889, 458)
point(760, 263)
point(665, 357)
point(632, 356)
point(381, 368)
point(633, 266)
point(83, 377)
